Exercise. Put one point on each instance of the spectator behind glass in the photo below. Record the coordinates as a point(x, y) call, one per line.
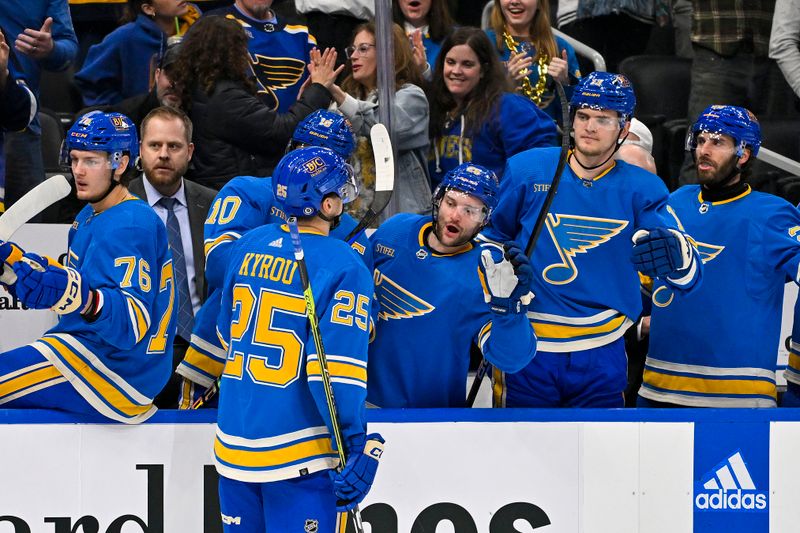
point(521, 32)
point(235, 133)
point(43, 38)
point(474, 116)
point(357, 99)
point(427, 23)
point(122, 65)
point(17, 108)
point(784, 41)
point(163, 93)
point(279, 50)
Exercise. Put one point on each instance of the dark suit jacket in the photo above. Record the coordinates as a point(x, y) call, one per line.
point(198, 200)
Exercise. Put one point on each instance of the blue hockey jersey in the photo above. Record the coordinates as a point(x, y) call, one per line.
point(717, 346)
point(279, 53)
point(119, 362)
point(273, 420)
point(518, 126)
point(587, 291)
point(431, 308)
point(244, 203)
point(792, 372)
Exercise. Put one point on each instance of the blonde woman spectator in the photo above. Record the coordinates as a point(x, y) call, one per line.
point(524, 39)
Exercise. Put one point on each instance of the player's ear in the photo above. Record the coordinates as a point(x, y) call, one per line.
point(123, 165)
point(745, 157)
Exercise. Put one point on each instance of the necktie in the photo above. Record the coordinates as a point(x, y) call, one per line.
point(185, 311)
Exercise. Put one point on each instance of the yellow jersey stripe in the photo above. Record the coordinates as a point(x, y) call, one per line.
point(337, 369)
point(213, 243)
point(29, 379)
point(273, 458)
point(203, 362)
point(562, 331)
point(794, 361)
point(138, 319)
point(107, 391)
point(671, 382)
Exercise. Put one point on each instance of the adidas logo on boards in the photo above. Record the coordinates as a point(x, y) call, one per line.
point(729, 487)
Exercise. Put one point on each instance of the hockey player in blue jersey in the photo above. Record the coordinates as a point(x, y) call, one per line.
point(279, 51)
point(791, 398)
point(245, 203)
point(717, 346)
point(434, 303)
point(111, 350)
point(587, 289)
point(274, 448)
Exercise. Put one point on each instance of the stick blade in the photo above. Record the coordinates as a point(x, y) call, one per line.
point(384, 158)
point(34, 202)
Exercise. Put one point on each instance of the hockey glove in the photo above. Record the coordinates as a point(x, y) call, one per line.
point(507, 281)
point(352, 484)
point(44, 285)
point(10, 253)
point(661, 252)
point(192, 392)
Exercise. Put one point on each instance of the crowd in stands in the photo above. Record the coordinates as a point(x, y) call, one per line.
point(247, 72)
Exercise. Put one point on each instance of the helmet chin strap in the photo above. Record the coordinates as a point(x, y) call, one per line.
point(111, 186)
point(334, 221)
point(584, 167)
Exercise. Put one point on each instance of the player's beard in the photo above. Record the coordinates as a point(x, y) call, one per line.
point(719, 176)
point(461, 240)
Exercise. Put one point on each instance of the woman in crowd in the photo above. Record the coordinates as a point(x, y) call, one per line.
point(123, 64)
point(474, 117)
point(358, 101)
point(426, 23)
point(235, 134)
point(521, 32)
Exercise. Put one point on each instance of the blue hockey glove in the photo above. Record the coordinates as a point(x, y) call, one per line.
point(44, 285)
point(352, 484)
point(10, 253)
point(507, 279)
point(661, 252)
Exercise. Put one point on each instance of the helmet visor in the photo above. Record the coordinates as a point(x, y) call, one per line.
point(348, 191)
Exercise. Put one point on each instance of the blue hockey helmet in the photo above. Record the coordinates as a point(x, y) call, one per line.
point(102, 132)
point(306, 175)
point(604, 90)
point(328, 129)
point(733, 121)
point(471, 179)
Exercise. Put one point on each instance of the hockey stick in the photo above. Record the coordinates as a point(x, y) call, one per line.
point(384, 179)
point(323, 360)
point(34, 202)
point(483, 367)
point(384, 184)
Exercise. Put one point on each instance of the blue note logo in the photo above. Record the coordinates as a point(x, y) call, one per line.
point(572, 235)
point(729, 487)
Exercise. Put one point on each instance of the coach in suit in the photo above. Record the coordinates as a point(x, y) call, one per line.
point(182, 205)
